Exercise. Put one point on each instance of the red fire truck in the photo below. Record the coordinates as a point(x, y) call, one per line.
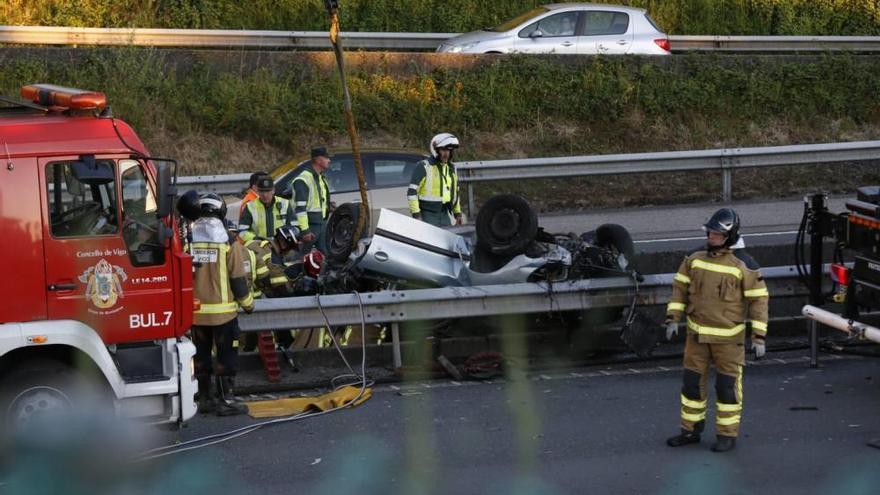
point(96, 287)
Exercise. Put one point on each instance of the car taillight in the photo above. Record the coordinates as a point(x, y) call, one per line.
point(663, 43)
point(839, 274)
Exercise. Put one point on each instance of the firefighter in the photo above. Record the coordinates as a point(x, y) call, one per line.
point(261, 218)
point(718, 289)
point(280, 271)
point(220, 284)
point(251, 193)
point(311, 195)
point(433, 193)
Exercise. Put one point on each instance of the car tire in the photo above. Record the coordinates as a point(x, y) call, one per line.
point(339, 236)
point(506, 225)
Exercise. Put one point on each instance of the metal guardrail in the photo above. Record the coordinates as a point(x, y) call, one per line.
point(702, 43)
point(463, 302)
point(228, 38)
point(215, 38)
point(395, 307)
point(725, 160)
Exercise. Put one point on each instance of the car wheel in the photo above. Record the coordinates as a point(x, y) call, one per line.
point(506, 225)
point(340, 231)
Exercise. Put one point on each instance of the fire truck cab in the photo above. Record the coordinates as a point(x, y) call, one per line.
point(96, 290)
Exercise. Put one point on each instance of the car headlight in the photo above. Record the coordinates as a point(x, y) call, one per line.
point(461, 48)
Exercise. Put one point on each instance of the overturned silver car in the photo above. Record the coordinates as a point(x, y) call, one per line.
point(508, 247)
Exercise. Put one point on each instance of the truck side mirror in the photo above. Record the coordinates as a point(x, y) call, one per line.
point(166, 189)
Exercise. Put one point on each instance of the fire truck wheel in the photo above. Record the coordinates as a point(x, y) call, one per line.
point(46, 389)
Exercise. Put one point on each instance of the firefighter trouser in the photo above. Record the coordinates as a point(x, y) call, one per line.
point(729, 360)
point(222, 337)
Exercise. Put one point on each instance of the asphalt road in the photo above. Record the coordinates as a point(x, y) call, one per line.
point(587, 430)
point(667, 228)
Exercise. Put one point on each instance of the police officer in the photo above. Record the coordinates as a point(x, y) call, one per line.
point(433, 193)
point(220, 284)
point(311, 195)
point(252, 192)
point(263, 216)
point(719, 289)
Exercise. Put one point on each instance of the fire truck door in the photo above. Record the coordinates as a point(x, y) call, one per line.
point(104, 266)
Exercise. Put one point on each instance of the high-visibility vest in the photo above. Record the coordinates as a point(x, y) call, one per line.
point(439, 187)
point(317, 204)
point(259, 226)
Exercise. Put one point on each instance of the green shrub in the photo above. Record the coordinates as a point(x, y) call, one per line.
point(744, 17)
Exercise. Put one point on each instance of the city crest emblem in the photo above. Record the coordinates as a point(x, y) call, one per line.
point(103, 284)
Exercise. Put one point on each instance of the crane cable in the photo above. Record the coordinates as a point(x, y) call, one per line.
point(333, 11)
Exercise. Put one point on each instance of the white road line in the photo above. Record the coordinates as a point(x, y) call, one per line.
point(700, 238)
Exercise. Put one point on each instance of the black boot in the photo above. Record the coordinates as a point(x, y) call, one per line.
point(724, 443)
point(226, 403)
point(683, 438)
point(207, 401)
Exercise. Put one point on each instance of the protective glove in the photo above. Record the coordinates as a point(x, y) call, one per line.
point(759, 347)
point(671, 330)
point(417, 216)
point(308, 237)
point(459, 220)
point(248, 309)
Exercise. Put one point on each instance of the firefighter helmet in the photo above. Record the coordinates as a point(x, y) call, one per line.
point(724, 221)
point(289, 235)
point(212, 205)
point(441, 141)
point(313, 262)
point(188, 205)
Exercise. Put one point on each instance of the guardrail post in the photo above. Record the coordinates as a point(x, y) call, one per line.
point(395, 345)
point(472, 204)
point(727, 161)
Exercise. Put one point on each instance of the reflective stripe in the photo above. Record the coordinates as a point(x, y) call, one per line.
point(722, 407)
point(675, 306)
point(720, 332)
point(680, 277)
point(247, 301)
point(739, 386)
point(302, 203)
point(278, 280)
point(215, 309)
point(262, 270)
point(759, 326)
point(713, 267)
point(693, 404)
point(762, 292)
point(728, 421)
point(695, 418)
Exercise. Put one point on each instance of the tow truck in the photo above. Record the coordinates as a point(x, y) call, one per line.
point(97, 287)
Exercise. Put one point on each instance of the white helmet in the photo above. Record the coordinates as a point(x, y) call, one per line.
point(441, 141)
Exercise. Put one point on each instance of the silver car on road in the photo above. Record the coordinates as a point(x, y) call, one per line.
point(568, 28)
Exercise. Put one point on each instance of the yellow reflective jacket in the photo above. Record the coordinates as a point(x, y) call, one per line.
point(719, 291)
